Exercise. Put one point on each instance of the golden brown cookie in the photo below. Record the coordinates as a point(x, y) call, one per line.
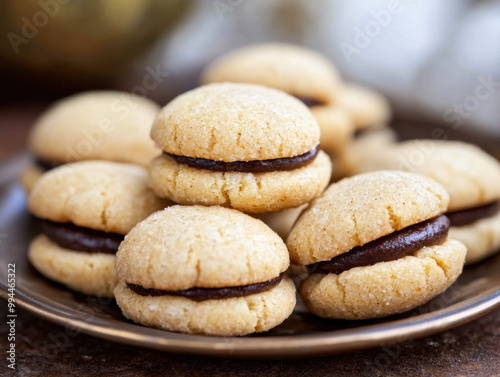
point(204, 270)
point(336, 128)
point(367, 108)
point(470, 175)
point(295, 70)
point(237, 145)
point(385, 288)
point(375, 244)
point(363, 208)
point(86, 208)
point(95, 125)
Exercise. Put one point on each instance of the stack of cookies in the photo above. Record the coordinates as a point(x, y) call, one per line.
point(195, 243)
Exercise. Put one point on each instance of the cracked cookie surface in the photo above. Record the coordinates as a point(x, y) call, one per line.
point(235, 122)
point(385, 288)
point(183, 247)
point(101, 195)
point(225, 317)
point(247, 192)
point(470, 175)
point(361, 209)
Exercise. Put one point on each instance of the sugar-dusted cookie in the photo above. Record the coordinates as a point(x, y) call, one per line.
point(295, 70)
point(471, 177)
point(86, 208)
point(242, 146)
point(204, 270)
point(95, 125)
point(375, 244)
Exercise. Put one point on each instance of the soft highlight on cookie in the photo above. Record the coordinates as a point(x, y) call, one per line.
point(295, 70)
point(361, 209)
point(235, 122)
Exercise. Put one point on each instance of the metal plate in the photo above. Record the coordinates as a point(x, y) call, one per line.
point(476, 293)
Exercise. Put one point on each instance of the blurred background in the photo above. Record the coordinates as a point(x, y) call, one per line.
point(437, 61)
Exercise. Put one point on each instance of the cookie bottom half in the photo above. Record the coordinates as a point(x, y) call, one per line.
point(482, 238)
point(247, 192)
point(385, 288)
point(225, 317)
point(88, 273)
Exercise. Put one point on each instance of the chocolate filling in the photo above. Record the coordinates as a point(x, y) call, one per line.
point(257, 166)
point(470, 216)
point(70, 236)
point(391, 247)
point(310, 102)
point(46, 165)
point(202, 294)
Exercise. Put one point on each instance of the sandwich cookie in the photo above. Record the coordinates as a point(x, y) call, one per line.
point(297, 71)
point(375, 244)
point(472, 178)
point(86, 208)
point(96, 125)
point(204, 270)
point(242, 146)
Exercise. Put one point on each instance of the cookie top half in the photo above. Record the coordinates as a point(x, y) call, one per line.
point(183, 247)
point(295, 70)
point(361, 209)
point(100, 195)
point(96, 125)
point(470, 175)
point(367, 108)
point(236, 122)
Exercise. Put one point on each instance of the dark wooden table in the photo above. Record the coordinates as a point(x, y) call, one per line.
point(470, 350)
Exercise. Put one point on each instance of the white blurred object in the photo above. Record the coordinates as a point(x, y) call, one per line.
point(462, 83)
point(425, 55)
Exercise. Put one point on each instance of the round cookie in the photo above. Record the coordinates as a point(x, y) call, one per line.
point(336, 129)
point(219, 125)
point(214, 251)
point(295, 70)
point(376, 244)
point(385, 288)
point(367, 108)
point(363, 208)
point(363, 147)
point(95, 125)
point(248, 192)
point(471, 176)
point(86, 207)
point(88, 273)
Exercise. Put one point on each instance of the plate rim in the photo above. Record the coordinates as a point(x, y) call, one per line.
point(270, 347)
